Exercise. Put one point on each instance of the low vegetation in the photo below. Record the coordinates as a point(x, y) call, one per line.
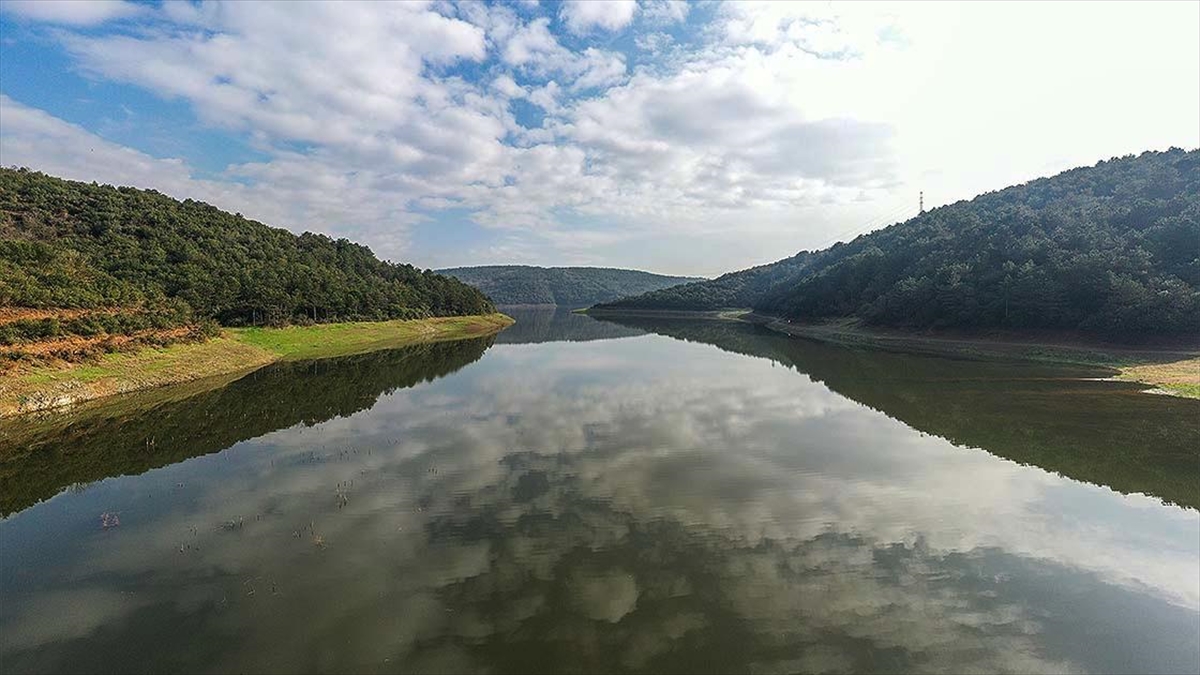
point(48, 385)
point(342, 339)
point(1179, 378)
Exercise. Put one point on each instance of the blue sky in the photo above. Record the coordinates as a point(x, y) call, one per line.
point(689, 138)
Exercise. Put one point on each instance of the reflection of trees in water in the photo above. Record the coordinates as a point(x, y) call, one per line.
point(1100, 432)
point(275, 397)
point(548, 324)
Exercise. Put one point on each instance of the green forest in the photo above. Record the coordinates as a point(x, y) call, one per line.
point(561, 286)
point(149, 261)
point(1112, 249)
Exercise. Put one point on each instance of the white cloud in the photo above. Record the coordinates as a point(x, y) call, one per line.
point(599, 69)
point(547, 96)
point(774, 128)
point(662, 12)
point(653, 42)
point(74, 12)
point(507, 86)
point(310, 72)
point(581, 16)
point(531, 41)
point(534, 50)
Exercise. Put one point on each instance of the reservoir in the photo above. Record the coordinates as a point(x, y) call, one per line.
point(577, 495)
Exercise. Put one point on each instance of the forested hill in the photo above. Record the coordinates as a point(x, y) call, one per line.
point(138, 253)
point(1112, 249)
point(562, 286)
point(733, 290)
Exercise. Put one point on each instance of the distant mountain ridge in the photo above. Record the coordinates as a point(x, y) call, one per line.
point(561, 286)
point(1112, 249)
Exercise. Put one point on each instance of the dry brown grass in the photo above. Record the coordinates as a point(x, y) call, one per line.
point(1178, 377)
point(74, 347)
point(11, 314)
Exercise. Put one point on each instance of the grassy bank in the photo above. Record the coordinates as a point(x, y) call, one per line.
point(341, 339)
point(237, 350)
point(1178, 378)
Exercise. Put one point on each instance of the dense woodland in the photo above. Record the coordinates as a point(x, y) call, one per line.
point(562, 286)
point(1112, 249)
point(149, 260)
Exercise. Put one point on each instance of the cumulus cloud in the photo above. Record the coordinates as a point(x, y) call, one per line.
point(653, 42)
point(582, 16)
point(294, 72)
point(535, 50)
point(74, 12)
point(662, 12)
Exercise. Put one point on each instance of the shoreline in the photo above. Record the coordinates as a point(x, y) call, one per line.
point(1172, 370)
point(236, 352)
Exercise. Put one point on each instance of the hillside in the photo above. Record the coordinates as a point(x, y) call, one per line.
point(733, 290)
point(86, 267)
point(562, 286)
point(1112, 249)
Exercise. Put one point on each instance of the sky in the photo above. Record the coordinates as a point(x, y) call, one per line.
point(683, 138)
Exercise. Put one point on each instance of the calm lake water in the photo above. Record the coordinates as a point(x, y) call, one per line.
point(578, 496)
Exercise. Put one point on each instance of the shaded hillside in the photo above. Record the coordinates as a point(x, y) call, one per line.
point(974, 403)
point(138, 253)
point(563, 286)
point(38, 462)
point(1112, 249)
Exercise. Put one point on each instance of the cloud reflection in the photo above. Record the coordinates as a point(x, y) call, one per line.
point(638, 504)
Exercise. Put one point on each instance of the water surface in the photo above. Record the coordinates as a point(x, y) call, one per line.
point(630, 497)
